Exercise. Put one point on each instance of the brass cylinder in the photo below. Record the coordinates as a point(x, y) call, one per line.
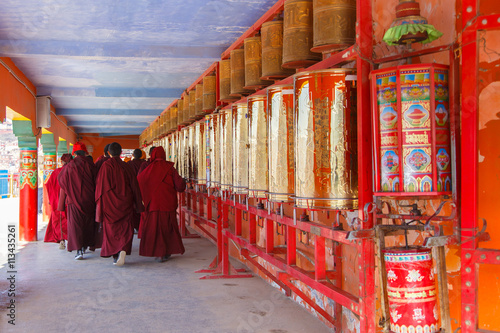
point(209, 93)
point(298, 34)
point(226, 149)
point(272, 51)
point(173, 117)
point(225, 81)
point(199, 101)
point(334, 25)
point(200, 152)
point(180, 111)
point(185, 117)
point(240, 148)
point(325, 139)
point(238, 73)
point(280, 143)
point(214, 150)
point(253, 63)
point(257, 142)
point(192, 105)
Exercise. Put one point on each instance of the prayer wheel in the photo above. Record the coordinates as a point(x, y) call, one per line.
point(226, 149)
point(325, 139)
point(253, 64)
point(280, 143)
point(225, 81)
point(199, 101)
point(412, 130)
point(334, 25)
point(272, 51)
point(200, 153)
point(192, 158)
point(298, 34)
point(209, 93)
point(180, 111)
point(166, 147)
point(257, 141)
point(182, 155)
point(238, 73)
point(185, 117)
point(192, 106)
point(173, 117)
point(240, 148)
point(411, 290)
point(213, 164)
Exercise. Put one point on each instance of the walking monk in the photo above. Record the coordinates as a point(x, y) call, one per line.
point(136, 164)
point(57, 229)
point(77, 181)
point(160, 182)
point(117, 196)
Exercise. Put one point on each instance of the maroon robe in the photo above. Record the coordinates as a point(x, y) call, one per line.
point(77, 181)
point(159, 184)
point(144, 165)
point(100, 161)
point(57, 229)
point(136, 164)
point(117, 196)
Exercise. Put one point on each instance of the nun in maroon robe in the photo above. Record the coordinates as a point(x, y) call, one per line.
point(117, 196)
point(77, 181)
point(57, 229)
point(159, 183)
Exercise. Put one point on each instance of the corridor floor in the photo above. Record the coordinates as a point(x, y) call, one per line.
point(55, 293)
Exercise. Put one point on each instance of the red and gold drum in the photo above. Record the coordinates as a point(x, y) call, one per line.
point(226, 149)
point(213, 148)
point(257, 141)
point(326, 165)
point(412, 130)
point(280, 143)
point(411, 290)
point(200, 153)
point(240, 148)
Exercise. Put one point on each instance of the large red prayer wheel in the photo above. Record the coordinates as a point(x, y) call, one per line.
point(28, 194)
point(411, 290)
point(412, 130)
point(240, 148)
point(334, 25)
point(213, 163)
point(272, 51)
point(226, 149)
point(257, 142)
point(209, 93)
point(280, 143)
point(298, 34)
point(326, 166)
point(49, 165)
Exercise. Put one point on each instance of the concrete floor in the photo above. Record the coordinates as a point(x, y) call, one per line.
point(55, 293)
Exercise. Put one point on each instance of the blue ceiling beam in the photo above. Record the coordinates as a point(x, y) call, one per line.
point(136, 92)
point(108, 112)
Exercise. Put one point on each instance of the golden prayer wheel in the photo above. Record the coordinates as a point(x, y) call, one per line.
point(298, 34)
point(334, 25)
point(209, 93)
point(173, 118)
point(182, 110)
point(200, 152)
point(226, 149)
point(253, 64)
point(280, 143)
point(199, 101)
point(225, 81)
point(272, 51)
point(325, 139)
point(213, 164)
point(257, 141)
point(240, 148)
point(192, 105)
point(238, 73)
point(185, 116)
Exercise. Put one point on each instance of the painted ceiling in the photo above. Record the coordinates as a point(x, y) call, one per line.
point(112, 66)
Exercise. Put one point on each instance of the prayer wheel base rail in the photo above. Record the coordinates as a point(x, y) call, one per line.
point(332, 48)
point(299, 63)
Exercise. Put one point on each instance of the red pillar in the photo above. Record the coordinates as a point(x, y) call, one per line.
point(28, 194)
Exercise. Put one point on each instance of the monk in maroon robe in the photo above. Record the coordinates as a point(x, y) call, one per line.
point(117, 196)
point(159, 184)
point(77, 181)
point(57, 229)
point(103, 158)
point(146, 163)
point(136, 163)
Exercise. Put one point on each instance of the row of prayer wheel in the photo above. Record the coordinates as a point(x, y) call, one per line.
point(285, 44)
point(270, 147)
